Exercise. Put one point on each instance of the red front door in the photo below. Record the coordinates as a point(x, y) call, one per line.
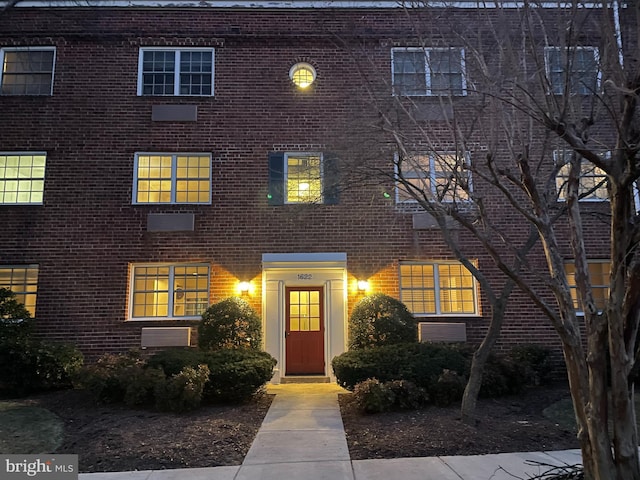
point(304, 330)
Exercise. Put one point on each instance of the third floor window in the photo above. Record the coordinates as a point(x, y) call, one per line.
point(428, 71)
point(27, 71)
point(572, 70)
point(171, 71)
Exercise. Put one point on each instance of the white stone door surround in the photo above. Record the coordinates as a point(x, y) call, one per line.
point(326, 270)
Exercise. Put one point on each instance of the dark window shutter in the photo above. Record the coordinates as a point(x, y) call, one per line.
point(331, 180)
point(275, 193)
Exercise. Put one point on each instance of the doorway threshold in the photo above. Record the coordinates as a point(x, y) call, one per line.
point(305, 379)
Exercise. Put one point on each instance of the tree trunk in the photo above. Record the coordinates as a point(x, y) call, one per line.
point(480, 356)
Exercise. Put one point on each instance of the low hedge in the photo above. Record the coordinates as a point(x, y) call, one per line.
point(419, 363)
point(234, 374)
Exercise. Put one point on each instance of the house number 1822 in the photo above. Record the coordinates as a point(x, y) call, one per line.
point(305, 276)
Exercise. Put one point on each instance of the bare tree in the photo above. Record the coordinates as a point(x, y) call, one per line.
point(550, 118)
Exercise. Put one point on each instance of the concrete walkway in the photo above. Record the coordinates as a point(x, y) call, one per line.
point(302, 437)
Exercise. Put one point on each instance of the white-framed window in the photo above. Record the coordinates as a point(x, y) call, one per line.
point(574, 70)
point(22, 177)
point(599, 272)
point(172, 178)
point(428, 71)
point(22, 280)
point(438, 288)
point(168, 291)
point(176, 71)
point(303, 177)
point(27, 70)
point(444, 176)
point(593, 180)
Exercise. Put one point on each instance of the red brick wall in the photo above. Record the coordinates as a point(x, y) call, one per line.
point(88, 233)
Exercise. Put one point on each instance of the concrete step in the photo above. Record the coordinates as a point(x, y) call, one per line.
point(304, 379)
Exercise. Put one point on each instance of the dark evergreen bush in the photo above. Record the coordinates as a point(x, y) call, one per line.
point(407, 395)
point(182, 392)
point(234, 374)
point(419, 363)
point(502, 376)
point(536, 362)
point(29, 364)
point(448, 389)
point(379, 320)
point(112, 374)
point(371, 396)
point(230, 323)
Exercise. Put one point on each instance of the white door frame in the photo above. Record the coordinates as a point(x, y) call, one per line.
point(280, 270)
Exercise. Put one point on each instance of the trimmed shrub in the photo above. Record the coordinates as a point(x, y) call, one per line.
point(448, 389)
point(173, 361)
point(234, 374)
point(230, 323)
point(419, 363)
point(535, 360)
point(502, 376)
point(371, 396)
point(407, 395)
point(182, 392)
point(107, 379)
point(379, 320)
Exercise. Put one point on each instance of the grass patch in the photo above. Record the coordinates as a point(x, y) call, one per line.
point(28, 430)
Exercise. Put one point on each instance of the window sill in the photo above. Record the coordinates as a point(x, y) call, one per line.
point(165, 319)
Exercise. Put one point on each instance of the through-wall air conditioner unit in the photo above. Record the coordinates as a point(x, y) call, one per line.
point(166, 337)
point(442, 332)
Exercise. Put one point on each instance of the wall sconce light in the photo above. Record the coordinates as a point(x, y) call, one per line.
point(244, 287)
point(363, 285)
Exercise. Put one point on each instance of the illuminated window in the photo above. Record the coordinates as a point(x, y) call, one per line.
point(22, 177)
point(172, 71)
point(296, 178)
point(23, 282)
point(581, 63)
point(304, 178)
point(442, 176)
point(593, 180)
point(446, 288)
point(302, 74)
point(428, 71)
point(27, 71)
point(169, 291)
point(172, 178)
point(599, 272)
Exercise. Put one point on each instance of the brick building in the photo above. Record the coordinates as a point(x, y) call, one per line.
point(157, 157)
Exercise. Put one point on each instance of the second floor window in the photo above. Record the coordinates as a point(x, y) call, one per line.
point(296, 178)
point(428, 71)
point(593, 180)
point(443, 176)
point(171, 71)
point(22, 177)
point(172, 178)
point(572, 70)
point(27, 71)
